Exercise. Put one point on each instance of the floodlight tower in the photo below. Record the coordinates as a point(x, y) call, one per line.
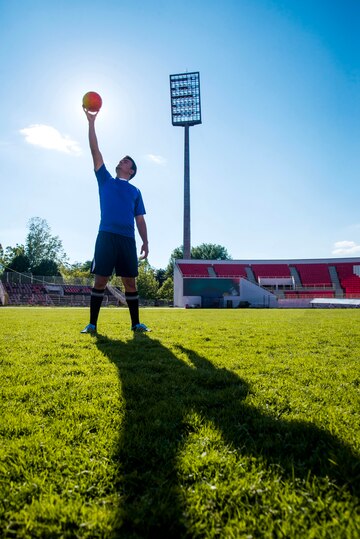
point(186, 111)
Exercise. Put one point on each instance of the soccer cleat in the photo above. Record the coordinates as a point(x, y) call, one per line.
point(90, 328)
point(140, 328)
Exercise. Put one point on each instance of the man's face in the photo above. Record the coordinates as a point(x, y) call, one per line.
point(124, 168)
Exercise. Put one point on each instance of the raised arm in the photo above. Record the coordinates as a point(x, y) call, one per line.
point(94, 147)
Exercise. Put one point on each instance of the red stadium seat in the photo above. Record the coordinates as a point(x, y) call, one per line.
point(276, 271)
point(314, 274)
point(230, 270)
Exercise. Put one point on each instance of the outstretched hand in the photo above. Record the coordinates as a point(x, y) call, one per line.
point(91, 116)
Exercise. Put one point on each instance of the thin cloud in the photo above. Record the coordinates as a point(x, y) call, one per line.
point(50, 138)
point(345, 248)
point(157, 159)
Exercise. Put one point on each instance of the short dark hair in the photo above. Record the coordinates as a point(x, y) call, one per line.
point(134, 167)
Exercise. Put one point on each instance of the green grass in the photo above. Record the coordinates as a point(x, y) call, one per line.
point(229, 424)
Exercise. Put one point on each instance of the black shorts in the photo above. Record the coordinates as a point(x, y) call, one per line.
point(114, 252)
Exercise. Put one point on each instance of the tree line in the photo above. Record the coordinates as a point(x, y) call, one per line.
point(43, 254)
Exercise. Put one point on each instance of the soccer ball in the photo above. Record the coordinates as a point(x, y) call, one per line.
point(92, 102)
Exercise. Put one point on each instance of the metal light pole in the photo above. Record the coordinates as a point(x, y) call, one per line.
point(186, 111)
point(187, 214)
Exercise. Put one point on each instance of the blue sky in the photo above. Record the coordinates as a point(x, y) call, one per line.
point(274, 166)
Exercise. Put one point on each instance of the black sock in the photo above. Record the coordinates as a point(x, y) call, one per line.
point(95, 304)
point(132, 299)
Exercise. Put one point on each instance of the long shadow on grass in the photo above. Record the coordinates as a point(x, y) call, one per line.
point(159, 391)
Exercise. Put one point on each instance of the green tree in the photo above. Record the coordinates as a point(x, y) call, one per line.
point(46, 267)
point(160, 276)
point(205, 251)
point(19, 263)
point(146, 282)
point(10, 253)
point(176, 254)
point(210, 251)
point(78, 270)
point(167, 290)
point(40, 245)
point(14, 259)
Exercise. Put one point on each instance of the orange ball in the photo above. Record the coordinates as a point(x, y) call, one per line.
point(92, 101)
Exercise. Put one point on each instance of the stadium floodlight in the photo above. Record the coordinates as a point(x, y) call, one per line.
point(185, 99)
point(185, 112)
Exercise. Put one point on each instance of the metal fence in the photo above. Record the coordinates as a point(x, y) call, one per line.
point(28, 278)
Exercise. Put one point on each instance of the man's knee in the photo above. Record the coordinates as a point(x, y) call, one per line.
point(129, 284)
point(100, 282)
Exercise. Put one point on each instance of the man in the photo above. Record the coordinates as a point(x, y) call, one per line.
point(120, 204)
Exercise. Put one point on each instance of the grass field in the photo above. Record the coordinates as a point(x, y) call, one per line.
point(229, 424)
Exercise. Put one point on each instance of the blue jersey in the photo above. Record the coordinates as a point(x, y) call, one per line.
point(120, 202)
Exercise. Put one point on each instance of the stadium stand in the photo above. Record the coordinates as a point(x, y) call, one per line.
point(295, 282)
point(230, 270)
point(277, 271)
point(314, 274)
point(194, 270)
point(59, 295)
point(349, 280)
point(68, 289)
point(309, 294)
point(27, 294)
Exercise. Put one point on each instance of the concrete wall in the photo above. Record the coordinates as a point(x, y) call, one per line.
point(255, 295)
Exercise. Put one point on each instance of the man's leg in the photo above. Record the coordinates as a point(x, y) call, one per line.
point(127, 264)
point(97, 295)
point(132, 299)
